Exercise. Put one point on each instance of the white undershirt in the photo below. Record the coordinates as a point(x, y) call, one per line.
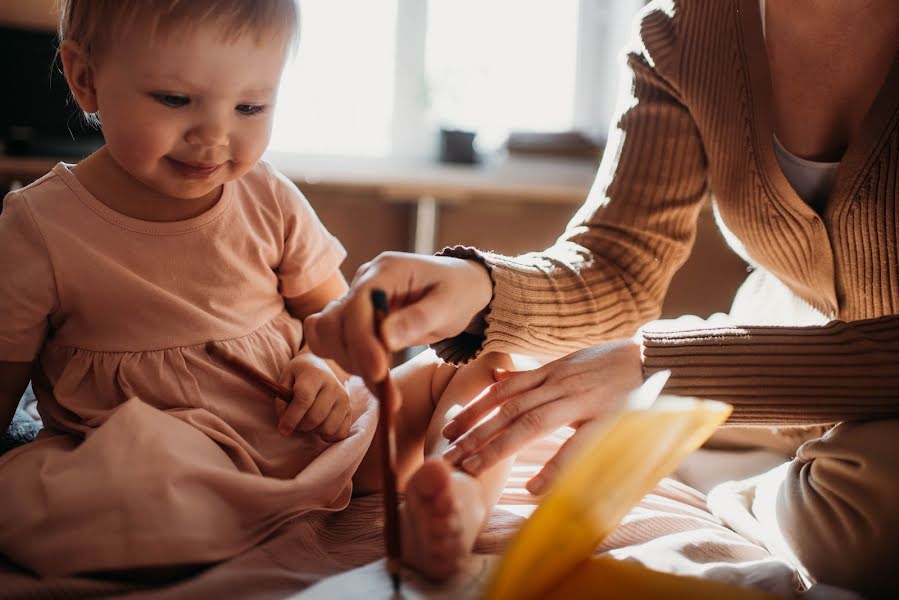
point(811, 179)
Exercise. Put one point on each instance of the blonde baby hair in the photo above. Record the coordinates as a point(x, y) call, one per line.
point(93, 24)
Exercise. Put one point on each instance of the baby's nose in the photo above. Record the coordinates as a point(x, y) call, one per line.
point(210, 132)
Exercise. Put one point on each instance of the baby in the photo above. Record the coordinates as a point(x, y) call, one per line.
point(119, 270)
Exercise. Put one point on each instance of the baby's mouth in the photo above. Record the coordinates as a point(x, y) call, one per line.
point(194, 170)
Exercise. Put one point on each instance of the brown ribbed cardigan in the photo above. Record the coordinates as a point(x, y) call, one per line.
point(699, 121)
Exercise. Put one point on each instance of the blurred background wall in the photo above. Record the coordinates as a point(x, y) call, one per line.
point(369, 103)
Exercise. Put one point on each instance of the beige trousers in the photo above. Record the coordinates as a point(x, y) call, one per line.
point(833, 510)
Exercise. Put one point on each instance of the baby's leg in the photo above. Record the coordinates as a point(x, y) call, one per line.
point(445, 509)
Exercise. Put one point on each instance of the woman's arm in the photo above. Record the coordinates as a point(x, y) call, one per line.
point(606, 275)
point(610, 270)
point(14, 377)
point(786, 375)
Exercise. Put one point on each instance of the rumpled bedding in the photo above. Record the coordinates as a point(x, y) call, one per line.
point(671, 529)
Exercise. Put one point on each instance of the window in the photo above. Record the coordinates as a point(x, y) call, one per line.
point(500, 65)
point(336, 95)
point(379, 77)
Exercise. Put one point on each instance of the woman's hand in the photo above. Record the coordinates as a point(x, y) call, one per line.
point(431, 298)
point(580, 390)
point(320, 403)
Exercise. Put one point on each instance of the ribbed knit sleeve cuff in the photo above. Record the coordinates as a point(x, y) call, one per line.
point(785, 375)
point(508, 315)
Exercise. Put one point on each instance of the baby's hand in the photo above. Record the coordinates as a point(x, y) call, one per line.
point(320, 401)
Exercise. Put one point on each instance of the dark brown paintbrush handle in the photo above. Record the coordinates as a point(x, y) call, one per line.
point(250, 373)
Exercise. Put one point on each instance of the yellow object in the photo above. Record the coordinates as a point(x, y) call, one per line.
point(550, 556)
point(604, 577)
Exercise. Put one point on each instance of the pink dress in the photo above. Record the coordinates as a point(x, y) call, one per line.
point(153, 453)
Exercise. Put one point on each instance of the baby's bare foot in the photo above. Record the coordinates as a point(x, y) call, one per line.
point(437, 534)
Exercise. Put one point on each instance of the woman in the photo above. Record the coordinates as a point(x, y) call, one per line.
point(788, 114)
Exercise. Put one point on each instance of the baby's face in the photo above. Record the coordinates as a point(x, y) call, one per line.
point(187, 112)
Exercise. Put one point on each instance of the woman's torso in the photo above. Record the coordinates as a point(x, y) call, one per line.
point(842, 261)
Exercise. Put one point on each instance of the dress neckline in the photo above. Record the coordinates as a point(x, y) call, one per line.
point(64, 171)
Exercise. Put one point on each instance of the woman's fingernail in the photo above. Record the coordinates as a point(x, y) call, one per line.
point(499, 374)
point(536, 484)
point(452, 454)
point(449, 430)
point(472, 463)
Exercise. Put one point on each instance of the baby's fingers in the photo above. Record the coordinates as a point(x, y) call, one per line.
point(318, 412)
point(280, 407)
point(336, 426)
point(293, 413)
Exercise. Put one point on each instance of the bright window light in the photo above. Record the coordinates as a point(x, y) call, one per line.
point(336, 96)
point(499, 65)
point(377, 78)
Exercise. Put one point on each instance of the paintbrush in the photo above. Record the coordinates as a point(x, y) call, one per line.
point(250, 373)
point(385, 392)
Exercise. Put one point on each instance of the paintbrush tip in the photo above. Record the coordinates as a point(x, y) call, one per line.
point(379, 300)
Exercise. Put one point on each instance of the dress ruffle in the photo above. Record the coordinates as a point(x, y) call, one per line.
point(148, 457)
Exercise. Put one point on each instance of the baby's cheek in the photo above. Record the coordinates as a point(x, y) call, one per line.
point(135, 147)
point(253, 142)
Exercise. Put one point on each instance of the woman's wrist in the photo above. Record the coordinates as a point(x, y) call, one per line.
point(482, 291)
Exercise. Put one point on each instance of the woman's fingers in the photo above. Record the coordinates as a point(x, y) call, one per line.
point(431, 298)
point(500, 374)
point(344, 332)
point(519, 407)
point(572, 447)
point(366, 354)
point(530, 426)
point(490, 398)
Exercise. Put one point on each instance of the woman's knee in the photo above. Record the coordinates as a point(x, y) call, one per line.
point(837, 508)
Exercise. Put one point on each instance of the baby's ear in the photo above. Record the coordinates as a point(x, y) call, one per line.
point(76, 66)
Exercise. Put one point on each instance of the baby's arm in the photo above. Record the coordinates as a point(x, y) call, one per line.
point(314, 301)
point(321, 402)
point(14, 377)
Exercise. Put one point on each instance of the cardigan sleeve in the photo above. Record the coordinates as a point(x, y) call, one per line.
point(841, 371)
point(610, 270)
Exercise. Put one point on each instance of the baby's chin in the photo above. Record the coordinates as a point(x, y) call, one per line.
point(191, 189)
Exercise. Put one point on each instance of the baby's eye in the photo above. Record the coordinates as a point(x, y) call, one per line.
point(171, 100)
point(250, 109)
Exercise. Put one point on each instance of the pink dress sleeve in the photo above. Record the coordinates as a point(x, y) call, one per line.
point(311, 253)
point(28, 289)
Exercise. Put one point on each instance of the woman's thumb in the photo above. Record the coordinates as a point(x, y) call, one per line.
point(402, 329)
point(416, 324)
